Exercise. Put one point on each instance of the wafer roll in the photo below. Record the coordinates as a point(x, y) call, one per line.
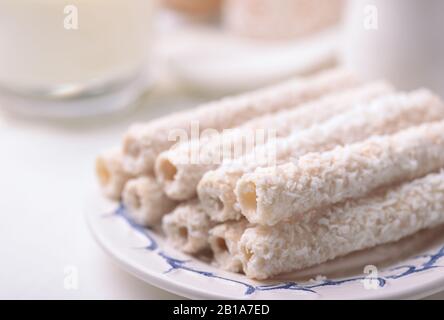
point(110, 173)
point(145, 201)
point(224, 239)
point(143, 142)
point(187, 227)
point(211, 151)
point(341, 229)
point(383, 116)
point(270, 195)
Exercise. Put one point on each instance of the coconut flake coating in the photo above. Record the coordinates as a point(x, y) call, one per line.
point(351, 171)
point(210, 150)
point(385, 115)
point(143, 142)
point(344, 228)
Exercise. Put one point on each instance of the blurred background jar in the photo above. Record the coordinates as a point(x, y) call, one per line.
point(400, 40)
point(197, 9)
point(57, 51)
point(280, 19)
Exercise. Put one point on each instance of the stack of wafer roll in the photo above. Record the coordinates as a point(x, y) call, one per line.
point(183, 184)
point(143, 143)
point(384, 115)
point(289, 176)
point(383, 216)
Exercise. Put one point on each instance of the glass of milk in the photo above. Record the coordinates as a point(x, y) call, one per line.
point(400, 40)
point(72, 57)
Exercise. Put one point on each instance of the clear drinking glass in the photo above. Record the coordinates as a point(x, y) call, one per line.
point(72, 57)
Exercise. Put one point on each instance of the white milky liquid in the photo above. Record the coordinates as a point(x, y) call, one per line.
point(40, 46)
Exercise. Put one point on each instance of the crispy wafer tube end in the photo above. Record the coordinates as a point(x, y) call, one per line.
point(110, 173)
point(223, 241)
point(178, 184)
point(187, 227)
point(138, 150)
point(216, 194)
point(145, 201)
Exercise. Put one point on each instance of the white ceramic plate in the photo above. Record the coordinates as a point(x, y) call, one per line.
point(411, 268)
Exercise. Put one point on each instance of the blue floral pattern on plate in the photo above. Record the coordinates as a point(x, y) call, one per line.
point(430, 261)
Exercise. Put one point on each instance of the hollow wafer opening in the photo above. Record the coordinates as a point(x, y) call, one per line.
point(221, 244)
point(248, 198)
point(183, 233)
point(167, 170)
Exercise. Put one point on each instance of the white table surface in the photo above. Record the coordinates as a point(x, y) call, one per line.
point(46, 174)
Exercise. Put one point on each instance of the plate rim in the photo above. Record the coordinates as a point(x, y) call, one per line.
point(174, 286)
point(134, 268)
